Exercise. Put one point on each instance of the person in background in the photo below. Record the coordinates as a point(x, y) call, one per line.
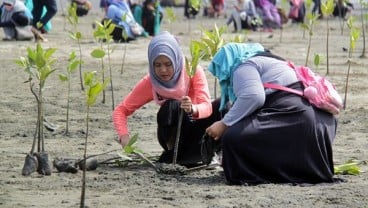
point(152, 16)
point(137, 9)
point(269, 13)
point(83, 7)
point(297, 11)
point(40, 19)
point(120, 14)
point(268, 136)
point(190, 11)
point(169, 86)
point(244, 15)
point(316, 10)
point(342, 8)
point(217, 8)
point(14, 18)
point(13, 13)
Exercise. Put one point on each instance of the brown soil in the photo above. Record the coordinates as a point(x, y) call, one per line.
point(138, 185)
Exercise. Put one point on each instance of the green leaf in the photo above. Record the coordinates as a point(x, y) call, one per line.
point(348, 168)
point(63, 78)
point(98, 53)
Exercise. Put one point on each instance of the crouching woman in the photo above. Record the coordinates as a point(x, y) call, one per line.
point(14, 17)
point(167, 85)
point(269, 136)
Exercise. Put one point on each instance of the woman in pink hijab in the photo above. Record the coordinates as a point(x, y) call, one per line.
point(167, 85)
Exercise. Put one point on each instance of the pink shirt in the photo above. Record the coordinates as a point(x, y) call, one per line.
point(142, 94)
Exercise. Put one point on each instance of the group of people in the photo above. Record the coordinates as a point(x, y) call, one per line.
point(135, 18)
point(252, 14)
point(29, 19)
point(265, 135)
point(25, 20)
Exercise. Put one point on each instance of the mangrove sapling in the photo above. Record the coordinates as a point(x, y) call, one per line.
point(38, 65)
point(354, 36)
point(312, 19)
point(131, 148)
point(76, 35)
point(191, 68)
point(350, 167)
point(94, 88)
point(327, 9)
point(170, 17)
point(103, 33)
point(73, 63)
point(211, 42)
point(125, 37)
point(363, 18)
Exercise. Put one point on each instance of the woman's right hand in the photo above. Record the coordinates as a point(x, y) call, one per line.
point(216, 129)
point(124, 139)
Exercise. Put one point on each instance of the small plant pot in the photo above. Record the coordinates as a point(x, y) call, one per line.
point(43, 163)
point(91, 164)
point(65, 165)
point(30, 164)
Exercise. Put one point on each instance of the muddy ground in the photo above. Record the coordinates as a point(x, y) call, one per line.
point(138, 185)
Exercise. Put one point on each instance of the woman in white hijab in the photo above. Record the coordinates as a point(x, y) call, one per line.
point(13, 13)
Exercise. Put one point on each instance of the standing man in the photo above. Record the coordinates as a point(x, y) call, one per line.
point(40, 21)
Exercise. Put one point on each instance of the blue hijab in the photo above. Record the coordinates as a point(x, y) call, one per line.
point(226, 61)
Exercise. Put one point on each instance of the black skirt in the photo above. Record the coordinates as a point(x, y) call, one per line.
point(192, 131)
point(286, 141)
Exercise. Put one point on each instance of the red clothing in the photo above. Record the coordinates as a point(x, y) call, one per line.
point(142, 94)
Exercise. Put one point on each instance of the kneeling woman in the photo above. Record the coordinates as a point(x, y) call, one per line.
point(269, 136)
point(167, 84)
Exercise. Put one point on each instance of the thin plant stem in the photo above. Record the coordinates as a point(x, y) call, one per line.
point(83, 194)
point(178, 132)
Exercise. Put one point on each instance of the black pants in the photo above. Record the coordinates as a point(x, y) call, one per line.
point(51, 9)
point(192, 131)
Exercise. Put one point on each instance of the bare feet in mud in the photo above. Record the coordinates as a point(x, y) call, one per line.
point(30, 164)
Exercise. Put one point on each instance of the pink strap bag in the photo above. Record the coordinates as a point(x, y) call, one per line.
point(317, 90)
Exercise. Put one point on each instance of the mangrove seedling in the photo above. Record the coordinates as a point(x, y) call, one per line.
point(363, 18)
point(103, 33)
point(94, 88)
point(191, 67)
point(211, 42)
point(125, 36)
point(38, 64)
point(170, 16)
point(354, 36)
point(75, 34)
point(73, 63)
point(312, 18)
point(350, 167)
point(327, 9)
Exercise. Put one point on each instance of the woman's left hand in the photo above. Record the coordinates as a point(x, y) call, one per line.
point(216, 130)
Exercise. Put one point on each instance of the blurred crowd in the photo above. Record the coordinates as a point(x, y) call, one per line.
point(29, 19)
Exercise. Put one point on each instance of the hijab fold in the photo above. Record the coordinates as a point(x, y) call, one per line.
point(226, 61)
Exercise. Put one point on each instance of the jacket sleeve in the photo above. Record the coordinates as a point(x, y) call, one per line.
point(140, 95)
point(200, 94)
